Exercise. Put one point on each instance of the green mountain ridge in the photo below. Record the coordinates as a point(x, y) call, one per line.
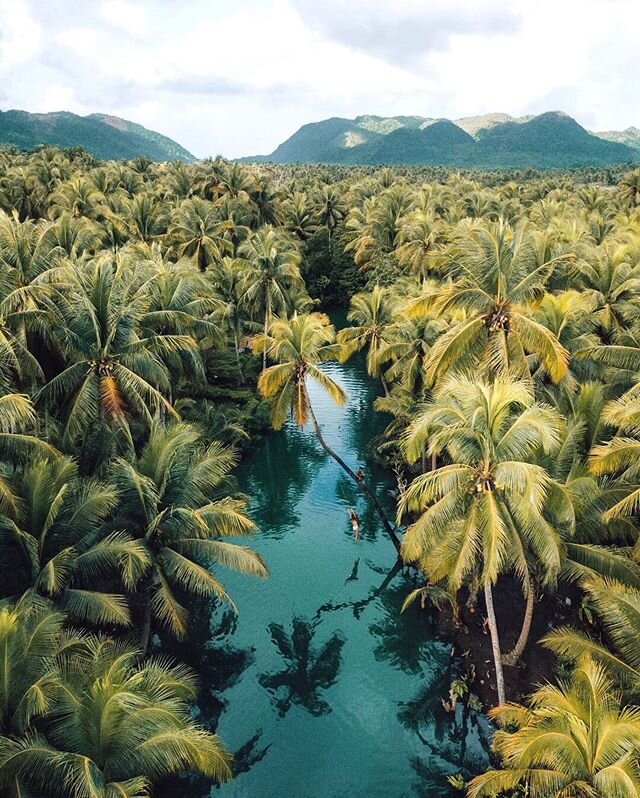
point(104, 136)
point(549, 140)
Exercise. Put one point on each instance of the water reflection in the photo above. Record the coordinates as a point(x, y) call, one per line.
point(307, 671)
point(450, 734)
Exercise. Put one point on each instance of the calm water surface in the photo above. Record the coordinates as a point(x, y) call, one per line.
point(321, 687)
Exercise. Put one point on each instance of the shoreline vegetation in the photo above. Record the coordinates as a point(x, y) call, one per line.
point(156, 318)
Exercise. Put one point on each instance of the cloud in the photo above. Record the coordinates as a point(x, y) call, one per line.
point(404, 33)
point(240, 76)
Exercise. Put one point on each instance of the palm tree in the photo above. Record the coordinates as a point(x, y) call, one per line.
point(198, 233)
point(611, 277)
point(298, 215)
point(298, 346)
point(486, 511)
point(79, 197)
point(228, 281)
point(173, 500)
point(31, 641)
point(55, 543)
point(630, 188)
point(617, 607)
point(373, 314)
point(407, 347)
point(417, 240)
point(377, 225)
point(575, 739)
point(113, 371)
point(273, 267)
point(331, 208)
point(117, 727)
point(146, 217)
point(17, 447)
point(495, 278)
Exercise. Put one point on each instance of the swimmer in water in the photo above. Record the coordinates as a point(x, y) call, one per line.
point(355, 523)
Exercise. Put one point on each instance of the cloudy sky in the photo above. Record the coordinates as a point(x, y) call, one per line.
point(237, 77)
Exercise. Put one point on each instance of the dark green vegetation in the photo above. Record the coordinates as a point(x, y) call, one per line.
point(140, 306)
point(104, 136)
point(551, 140)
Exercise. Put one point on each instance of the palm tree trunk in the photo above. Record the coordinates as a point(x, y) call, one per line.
point(359, 482)
point(267, 313)
point(517, 651)
point(495, 641)
point(145, 633)
point(236, 344)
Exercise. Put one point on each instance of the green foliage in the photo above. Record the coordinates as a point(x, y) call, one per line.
point(550, 140)
point(104, 136)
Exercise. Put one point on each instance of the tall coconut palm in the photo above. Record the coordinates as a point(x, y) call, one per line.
point(611, 276)
point(117, 727)
point(273, 267)
point(146, 217)
point(173, 500)
point(486, 511)
point(228, 281)
point(373, 313)
point(198, 233)
point(417, 241)
point(112, 370)
point(630, 188)
point(575, 739)
point(495, 277)
point(17, 446)
point(331, 208)
point(406, 351)
point(56, 544)
point(31, 641)
point(617, 606)
point(298, 346)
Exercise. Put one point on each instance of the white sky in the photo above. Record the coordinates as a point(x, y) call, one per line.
point(238, 77)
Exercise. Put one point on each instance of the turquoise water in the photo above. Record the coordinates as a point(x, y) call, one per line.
point(320, 685)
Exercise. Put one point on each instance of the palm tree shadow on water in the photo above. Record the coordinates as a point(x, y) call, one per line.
point(219, 665)
point(456, 738)
point(308, 669)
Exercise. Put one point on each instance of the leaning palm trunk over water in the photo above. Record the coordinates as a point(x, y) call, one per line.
point(298, 345)
point(358, 480)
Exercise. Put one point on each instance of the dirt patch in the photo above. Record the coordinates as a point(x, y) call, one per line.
point(472, 642)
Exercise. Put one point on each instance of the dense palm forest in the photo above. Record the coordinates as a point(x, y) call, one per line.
point(156, 318)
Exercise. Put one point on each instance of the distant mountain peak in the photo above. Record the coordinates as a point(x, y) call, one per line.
point(103, 135)
point(551, 139)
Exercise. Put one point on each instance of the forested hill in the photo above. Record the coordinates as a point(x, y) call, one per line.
point(106, 137)
point(550, 140)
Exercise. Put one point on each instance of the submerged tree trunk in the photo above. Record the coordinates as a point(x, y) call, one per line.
point(359, 482)
point(495, 641)
point(517, 651)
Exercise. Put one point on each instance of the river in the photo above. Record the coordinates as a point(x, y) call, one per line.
point(321, 686)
